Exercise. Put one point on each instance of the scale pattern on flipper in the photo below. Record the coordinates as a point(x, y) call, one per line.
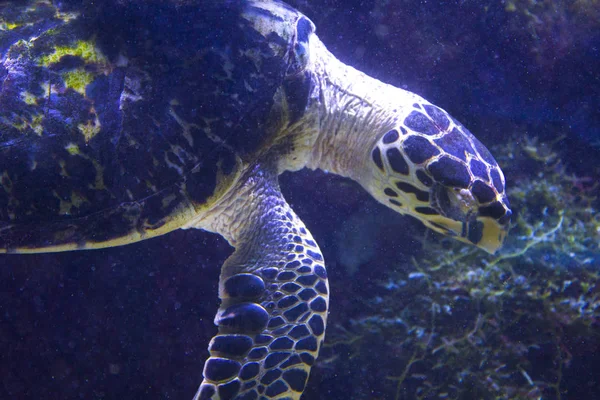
point(272, 318)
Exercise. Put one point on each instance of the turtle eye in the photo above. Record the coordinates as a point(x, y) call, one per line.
point(455, 203)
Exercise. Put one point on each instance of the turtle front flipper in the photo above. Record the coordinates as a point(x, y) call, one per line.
point(274, 294)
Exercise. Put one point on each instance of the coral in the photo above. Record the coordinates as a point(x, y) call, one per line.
point(458, 324)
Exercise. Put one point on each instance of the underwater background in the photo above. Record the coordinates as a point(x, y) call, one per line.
point(412, 315)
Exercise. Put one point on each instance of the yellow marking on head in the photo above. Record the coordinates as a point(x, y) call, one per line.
point(450, 224)
point(493, 235)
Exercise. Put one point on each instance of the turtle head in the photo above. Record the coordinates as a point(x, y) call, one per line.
point(431, 167)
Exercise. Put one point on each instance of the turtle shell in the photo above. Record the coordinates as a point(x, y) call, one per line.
point(127, 120)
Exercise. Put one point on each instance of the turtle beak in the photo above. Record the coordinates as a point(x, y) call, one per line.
point(486, 233)
point(459, 215)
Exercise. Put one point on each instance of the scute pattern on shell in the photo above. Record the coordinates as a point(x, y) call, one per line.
point(111, 129)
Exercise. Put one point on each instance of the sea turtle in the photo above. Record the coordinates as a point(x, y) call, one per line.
point(123, 120)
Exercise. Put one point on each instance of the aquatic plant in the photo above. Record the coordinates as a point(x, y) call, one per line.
point(458, 324)
point(551, 29)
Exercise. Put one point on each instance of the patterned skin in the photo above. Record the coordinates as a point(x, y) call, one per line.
point(123, 121)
